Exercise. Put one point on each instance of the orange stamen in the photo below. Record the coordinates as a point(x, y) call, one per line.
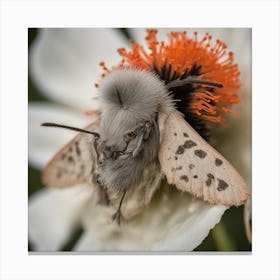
point(182, 52)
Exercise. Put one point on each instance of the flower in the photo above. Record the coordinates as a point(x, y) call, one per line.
point(64, 65)
point(183, 56)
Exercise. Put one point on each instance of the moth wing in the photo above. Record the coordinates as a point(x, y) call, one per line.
point(191, 164)
point(73, 164)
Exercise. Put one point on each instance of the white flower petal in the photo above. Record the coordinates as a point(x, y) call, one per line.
point(64, 63)
point(53, 215)
point(44, 142)
point(189, 231)
point(139, 34)
point(173, 221)
point(248, 219)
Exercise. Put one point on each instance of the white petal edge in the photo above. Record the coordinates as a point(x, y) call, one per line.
point(64, 62)
point(44, 142)
point(53, 215)
point(173, 222)
point(178, 240)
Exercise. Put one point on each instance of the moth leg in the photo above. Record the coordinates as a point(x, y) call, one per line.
point(147, 129)
point(143, 131)
point(137, 149)
point(118, 215)
point(95, 146)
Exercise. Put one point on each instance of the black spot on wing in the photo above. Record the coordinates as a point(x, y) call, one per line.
point(175, 134)
point(200, 153)
point(218, 162)
point(189, 144)
point(222, 185)
point(70, 159)
point(191, 166)
point(180, 150)
point(185, 178)
point(177, 168)
point(208, 182)
point(82, 171)
point(210, 177)
point(185, 134)
point(78, 150)
point(195, 176)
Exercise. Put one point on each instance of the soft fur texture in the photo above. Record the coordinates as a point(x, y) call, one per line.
point(130, 97)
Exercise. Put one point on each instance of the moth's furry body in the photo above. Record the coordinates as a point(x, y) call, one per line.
point(142, 137)
point(129, 99)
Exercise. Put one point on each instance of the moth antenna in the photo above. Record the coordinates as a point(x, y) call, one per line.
point(192, 80)
point(71, 128)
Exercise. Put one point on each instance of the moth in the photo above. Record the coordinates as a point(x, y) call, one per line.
point(139, 139)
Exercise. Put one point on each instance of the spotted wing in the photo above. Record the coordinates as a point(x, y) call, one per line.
point(73, 164)
point(191, 164)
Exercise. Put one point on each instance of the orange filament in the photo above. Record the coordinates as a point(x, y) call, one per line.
point(102, 64)
point(182, 52)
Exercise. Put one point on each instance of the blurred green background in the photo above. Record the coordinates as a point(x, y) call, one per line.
point(228, 235)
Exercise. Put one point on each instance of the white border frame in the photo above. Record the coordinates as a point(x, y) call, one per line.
point(17, 16)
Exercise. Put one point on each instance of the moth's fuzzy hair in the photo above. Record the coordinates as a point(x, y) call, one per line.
point(140, 91)
point(130, 95)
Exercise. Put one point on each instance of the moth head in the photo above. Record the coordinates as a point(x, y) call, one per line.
point(134, 93)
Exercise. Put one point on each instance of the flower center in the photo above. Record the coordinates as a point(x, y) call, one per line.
point(181, 57)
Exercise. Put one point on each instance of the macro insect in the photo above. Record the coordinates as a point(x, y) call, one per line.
point(151, 126)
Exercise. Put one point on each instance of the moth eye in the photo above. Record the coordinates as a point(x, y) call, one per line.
point(129, 136)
